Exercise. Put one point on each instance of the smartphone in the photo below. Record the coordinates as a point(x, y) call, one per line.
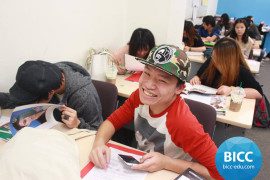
point(128, 160)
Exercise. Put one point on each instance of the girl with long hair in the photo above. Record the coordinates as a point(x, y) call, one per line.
point(224, 25)
point(227, 68)
point(191, 39)
point(240, 34)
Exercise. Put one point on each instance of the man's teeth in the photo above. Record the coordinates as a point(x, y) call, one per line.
point(149, 94)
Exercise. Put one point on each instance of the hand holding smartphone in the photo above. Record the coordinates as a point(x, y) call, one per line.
point(128, 160)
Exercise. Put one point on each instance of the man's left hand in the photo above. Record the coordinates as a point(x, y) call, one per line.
point(69, 117)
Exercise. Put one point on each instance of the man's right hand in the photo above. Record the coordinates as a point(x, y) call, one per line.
point(100, 155)
point(195, 80)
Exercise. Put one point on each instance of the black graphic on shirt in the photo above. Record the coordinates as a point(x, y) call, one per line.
point(149, 136)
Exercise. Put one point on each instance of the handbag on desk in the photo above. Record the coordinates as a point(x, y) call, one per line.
point(100, 64)
point(262, 113)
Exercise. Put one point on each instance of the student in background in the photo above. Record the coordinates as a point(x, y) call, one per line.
point(208, 31)
point(141, 42)
point(253, 31)
point(227, 68)
point(224, 24)
point(192, 40)
point(240, 34)
point(164, 125)
point(64, 82)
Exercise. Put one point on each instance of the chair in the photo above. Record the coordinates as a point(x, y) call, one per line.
point(107, 93)
point(205, 114)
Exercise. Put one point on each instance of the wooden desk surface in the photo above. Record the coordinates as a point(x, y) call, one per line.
point(199, 59)
point(243, 118)
point(85, 141)
point(125, 88)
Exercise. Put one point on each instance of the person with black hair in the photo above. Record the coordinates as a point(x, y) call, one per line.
point(64, 82)
point(240, 34)
point(227, 69)
point(141, 42)
point(191, 39)
point(224, 24)
point(253, 31)
point(208, 31)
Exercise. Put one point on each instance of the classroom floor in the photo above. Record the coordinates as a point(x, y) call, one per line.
point(260, 135)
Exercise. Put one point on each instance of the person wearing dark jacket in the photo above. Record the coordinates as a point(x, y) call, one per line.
point(226, 69)
point(64, 82)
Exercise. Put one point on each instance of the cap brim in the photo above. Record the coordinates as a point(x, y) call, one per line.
point(19, 95)
point(153, 65)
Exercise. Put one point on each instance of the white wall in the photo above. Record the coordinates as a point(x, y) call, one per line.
point(212, 7)
point(203, 10)
point(56, 30)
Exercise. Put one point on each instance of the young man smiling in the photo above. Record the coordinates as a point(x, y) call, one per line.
point(164, 125)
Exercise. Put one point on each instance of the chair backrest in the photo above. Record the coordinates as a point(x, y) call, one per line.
point(205, 114)
point(107, 93)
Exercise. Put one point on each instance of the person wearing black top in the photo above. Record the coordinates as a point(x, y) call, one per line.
point(253, 31)
point(224, 24)
point(227, 68)
point(191, 39)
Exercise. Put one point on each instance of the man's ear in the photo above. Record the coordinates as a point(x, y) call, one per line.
point(180, 88)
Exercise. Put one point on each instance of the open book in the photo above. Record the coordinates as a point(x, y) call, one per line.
point(34, 115)
point(199, 89)
point(216, 101)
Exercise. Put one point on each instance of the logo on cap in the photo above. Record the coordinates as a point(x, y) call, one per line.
point(163, 54)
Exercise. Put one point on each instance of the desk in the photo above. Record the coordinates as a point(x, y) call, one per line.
point(257, 52)
point(243, 118)
point(254, 66)
point(125, 88)
point(85, 145)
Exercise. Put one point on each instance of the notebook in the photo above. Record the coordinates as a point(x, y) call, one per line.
point(132, 64)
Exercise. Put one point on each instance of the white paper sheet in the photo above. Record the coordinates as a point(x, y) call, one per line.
point(132, 64)
point(117, 170)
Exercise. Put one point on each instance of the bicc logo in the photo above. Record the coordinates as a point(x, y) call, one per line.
point(238, 158)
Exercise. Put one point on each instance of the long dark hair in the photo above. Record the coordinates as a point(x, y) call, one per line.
point(226, 59)
point(191, 33)
point(141, 39)
point(225, 21)
point(234, 34)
